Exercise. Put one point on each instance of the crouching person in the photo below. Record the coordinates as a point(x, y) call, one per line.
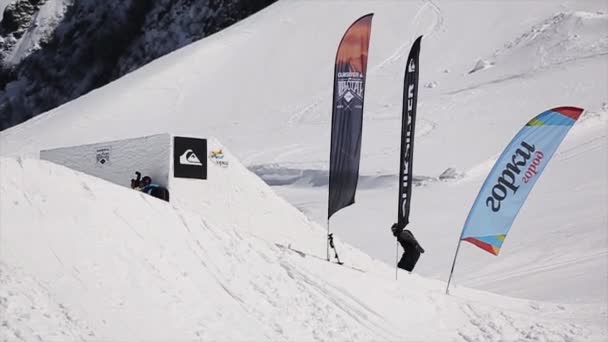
point(152, 189)
point(411, 248)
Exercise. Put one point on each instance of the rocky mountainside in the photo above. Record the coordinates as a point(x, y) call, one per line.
point(56, 50)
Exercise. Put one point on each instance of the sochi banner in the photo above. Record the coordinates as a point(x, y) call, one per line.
point(347, 114)
point(408, 125)
point(513, 176)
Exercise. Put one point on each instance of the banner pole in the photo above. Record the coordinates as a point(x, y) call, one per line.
point(327, 240)
point(396, 258)
point(447, 289)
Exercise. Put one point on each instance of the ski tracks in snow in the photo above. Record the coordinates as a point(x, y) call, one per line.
point(273, 298)
point(327, 294)
point(560, 40)
point(436, 25)
point(528, 74)
point(488, 325)
point(544, 266)
point(36, 309)
point(596, 143)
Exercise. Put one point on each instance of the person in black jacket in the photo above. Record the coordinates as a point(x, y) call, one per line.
point(153, 189)
point(145, 185)
point(411, 248)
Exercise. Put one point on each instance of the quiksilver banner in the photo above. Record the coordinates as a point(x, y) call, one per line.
point(189, 158)
point(408, 125)
point(513, 176)
point(347, 114)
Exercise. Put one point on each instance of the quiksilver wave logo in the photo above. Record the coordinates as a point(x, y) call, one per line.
point(506, 184)
point(189, 158)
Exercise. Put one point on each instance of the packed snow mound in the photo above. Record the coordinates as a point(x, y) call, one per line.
point(233, 195)
point(85, 259)
point(481, 65)
point(30, 313)
point(565, 37)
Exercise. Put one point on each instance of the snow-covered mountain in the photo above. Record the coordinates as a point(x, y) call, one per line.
point(26, 25)
point(56, 50)
point(263, 87)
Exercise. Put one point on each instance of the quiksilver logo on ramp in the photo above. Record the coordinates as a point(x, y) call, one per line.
point(189, 158)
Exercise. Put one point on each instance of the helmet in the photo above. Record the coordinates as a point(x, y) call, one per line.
point(146, 181)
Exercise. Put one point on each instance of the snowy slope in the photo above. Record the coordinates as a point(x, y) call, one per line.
point(43, 23)
point(3, 4)
point(53, 51)
point(84, 259)
point(263, 87)
point(34, 28)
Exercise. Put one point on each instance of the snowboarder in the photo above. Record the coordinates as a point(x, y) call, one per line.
point(411, 248)
point(145, 185)
point(153, 189)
